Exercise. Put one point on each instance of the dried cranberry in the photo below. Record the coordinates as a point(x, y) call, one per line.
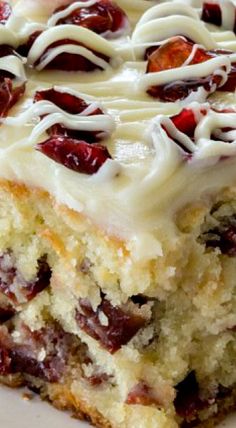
point(211, 12)
point(5, 12)
point(73, 105)
point(6, 50)
point(13, 285)
point(188, 402)
point(122, 326)
point(24, 49)
point(71, 62)
point(68, 102)
point(23, 358)
point(9, 96)
point(5, 362)
point(174, 54)
point(185, 122)
point(143, 395)
point(101, 17)
point(98, 379)
point(223, 238)
point(6, 313)
point(75, 154)
point(230, 84)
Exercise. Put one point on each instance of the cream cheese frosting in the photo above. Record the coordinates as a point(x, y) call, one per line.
point(148, 179)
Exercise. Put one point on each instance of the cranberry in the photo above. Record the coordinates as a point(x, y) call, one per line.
point(185, 122)
point(98, 379)
point(24, 49)
point(9, 96)
point(5, 12)
point(73, 105)
point(23, 358)
point(230, 84)
point(122, 326)
point(101, 17)
point(211, 12)
point(13, 285)
point(143, 395)
point(70, 103)
point(174, 54)
point(71, 62)
point(6, 313)
point(188, 402)
point(75, 154)
point(223, 237)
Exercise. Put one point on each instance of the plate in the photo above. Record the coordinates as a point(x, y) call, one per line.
point(17, 412)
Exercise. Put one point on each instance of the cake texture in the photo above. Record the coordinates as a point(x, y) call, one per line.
point(118, 208)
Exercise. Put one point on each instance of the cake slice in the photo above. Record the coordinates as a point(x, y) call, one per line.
point(118, 210)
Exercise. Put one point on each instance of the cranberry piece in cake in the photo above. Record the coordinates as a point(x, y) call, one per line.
point(77, 155)
point(103, 17)
point(73, 105)
point(188, 402)
point(223, 237)
point(14, 286)
point(143, 395)
point(120, 329)
point(174, 54)
point(5, 12)
point(52, 342)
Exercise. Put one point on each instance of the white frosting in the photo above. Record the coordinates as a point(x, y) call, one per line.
point(148, 178)
point(14, 65)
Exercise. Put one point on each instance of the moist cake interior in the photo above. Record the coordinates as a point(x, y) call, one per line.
point(118, 208)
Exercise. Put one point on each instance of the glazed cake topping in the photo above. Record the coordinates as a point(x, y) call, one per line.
point(123, 129)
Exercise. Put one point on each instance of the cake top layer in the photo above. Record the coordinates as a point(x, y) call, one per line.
point(123, 116)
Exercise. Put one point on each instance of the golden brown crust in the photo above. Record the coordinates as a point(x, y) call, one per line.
point(61, 397)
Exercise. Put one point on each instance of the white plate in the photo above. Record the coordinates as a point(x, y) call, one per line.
point(15, 412)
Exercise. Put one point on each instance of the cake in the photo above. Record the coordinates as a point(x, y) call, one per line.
point(118, 208)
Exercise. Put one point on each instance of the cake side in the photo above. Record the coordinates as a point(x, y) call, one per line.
point(177, 338)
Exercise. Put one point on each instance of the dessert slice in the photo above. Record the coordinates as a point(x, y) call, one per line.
point(126, 331)
point(118, 213)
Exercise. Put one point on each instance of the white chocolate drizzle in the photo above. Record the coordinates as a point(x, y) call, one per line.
point(77, 34)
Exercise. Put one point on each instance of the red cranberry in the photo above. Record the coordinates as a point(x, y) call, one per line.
point(223, 237)
point(73, 105)
point(211, 12)
point(12, 284)
point(70, 103)
point(142, 395)
point(9, 95)
point(5, 12)
point(101, 17)
point(188, 402)
point(23, 358)
point(71, 62)
point(24, 49)
point(122, 326)
point(74, 154)
point(6, 313)
point(171, 55)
